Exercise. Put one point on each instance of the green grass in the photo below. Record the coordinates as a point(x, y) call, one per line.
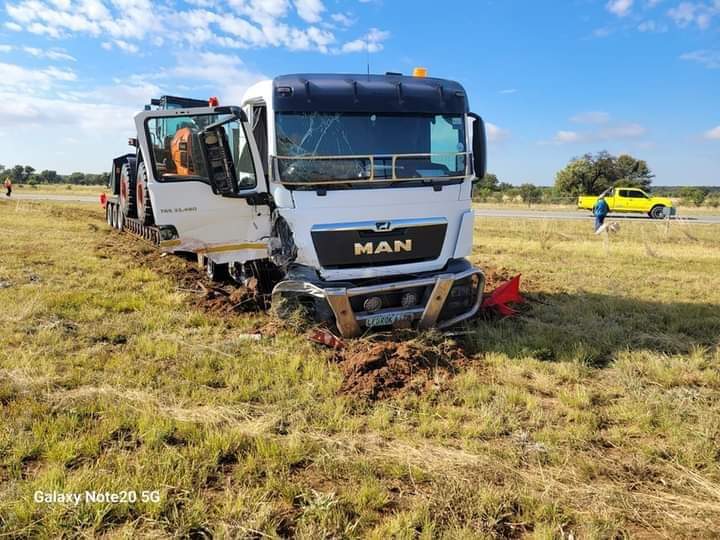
point(594, 413)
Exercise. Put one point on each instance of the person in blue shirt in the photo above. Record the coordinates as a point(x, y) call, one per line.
point(600, 211)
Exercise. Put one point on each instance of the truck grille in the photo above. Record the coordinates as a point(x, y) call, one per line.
point(379, 243)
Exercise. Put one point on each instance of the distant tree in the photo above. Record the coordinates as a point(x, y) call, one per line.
point(76, 178)
point(483, 188)
point(489, 182)
point(530, 193)
point(17, 173)
point(592, 174)
point(633, 172)
point(48, 177)
point(504, 186)
point(692, 195)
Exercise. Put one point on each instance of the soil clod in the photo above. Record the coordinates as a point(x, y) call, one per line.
point(381, 369)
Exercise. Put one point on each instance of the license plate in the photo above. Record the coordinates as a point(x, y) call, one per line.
point(387, 320)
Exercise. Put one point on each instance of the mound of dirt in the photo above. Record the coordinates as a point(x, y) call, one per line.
point(496, 276)
point(381, 369)
point(232, 299)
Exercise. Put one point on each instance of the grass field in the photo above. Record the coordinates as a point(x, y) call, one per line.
point(58, 189)
point(594, 414)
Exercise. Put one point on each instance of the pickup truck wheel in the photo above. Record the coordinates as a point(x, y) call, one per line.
point(657, 212)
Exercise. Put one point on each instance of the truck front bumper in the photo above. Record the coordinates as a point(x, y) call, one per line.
point(443, 299)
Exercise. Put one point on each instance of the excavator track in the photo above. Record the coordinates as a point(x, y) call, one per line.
point(134, 226)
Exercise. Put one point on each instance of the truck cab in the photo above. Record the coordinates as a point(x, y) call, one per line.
point(349, 195)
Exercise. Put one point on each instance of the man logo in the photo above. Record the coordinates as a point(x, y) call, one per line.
point(368, 248)
point(383, 226)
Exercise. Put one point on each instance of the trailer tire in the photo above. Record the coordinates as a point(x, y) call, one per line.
point(128, 191)
point(144, 205)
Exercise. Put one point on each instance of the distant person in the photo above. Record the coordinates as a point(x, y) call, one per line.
point(8, 186)
point(600, 211)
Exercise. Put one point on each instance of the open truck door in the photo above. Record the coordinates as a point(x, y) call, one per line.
point(205, 182)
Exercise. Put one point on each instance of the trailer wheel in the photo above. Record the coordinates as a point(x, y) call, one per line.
point(144, 205)
point(128, 191)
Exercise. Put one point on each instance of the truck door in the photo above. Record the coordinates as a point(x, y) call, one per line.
point(638, 201)
point(621, 199)
point(205, 180)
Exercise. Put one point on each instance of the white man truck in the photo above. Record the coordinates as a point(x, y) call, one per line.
point(347, 195)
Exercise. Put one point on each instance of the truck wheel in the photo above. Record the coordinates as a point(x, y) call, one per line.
point(657, 212)
point(128, 191)
point(108, 214)
point(144, 206)
point(217, 272)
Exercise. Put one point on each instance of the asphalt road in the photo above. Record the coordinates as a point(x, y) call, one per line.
point(482, 212)
point(579, 214)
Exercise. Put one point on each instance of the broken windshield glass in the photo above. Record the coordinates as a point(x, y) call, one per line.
point(316, 147)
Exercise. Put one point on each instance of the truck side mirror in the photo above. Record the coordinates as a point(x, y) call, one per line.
point(217, 153)
point(218, 160)
point(479, 146)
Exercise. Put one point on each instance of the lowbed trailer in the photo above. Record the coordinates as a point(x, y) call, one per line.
point(346, 195)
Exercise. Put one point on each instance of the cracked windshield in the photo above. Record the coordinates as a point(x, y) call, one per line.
point(328, 147)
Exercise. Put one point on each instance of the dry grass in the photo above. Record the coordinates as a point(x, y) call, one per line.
point(595, 414)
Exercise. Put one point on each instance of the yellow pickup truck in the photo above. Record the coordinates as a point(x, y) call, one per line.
point(626, 199)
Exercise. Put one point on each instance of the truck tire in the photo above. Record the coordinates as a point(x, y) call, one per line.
point(108, 214)
point(128, 191)
point(217, 272)
point(657, 212)
point(144, 205)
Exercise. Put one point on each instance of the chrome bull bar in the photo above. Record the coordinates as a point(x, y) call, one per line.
point(350, 324)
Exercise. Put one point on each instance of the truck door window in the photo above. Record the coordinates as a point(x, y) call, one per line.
point(176, 153)
point(624, 193)
point(638, 195)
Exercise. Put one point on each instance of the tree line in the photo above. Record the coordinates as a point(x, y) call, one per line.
point(591, 174)
point(25, 174)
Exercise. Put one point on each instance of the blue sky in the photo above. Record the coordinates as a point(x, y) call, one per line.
point(553, 79)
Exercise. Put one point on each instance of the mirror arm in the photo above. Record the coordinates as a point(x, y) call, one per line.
point(479, 147)
point(236, 113)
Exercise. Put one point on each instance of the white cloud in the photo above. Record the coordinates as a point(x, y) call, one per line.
point(713, 134)
point(602, 129)
point(51, 54)
point(495, 133)
point(647, 26)
point(133, 25)
point(621, 8)
point(591, 117)
point(5, 48)
point(508, 91)
point(309, 10)
point(698, 13)
point(15, 77)
point(708, 58)
point(226, 75)
point(343, 19)
point(567, 137)
point(370, 42)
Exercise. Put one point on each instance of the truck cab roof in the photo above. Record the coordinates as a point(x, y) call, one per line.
point(391, 93)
